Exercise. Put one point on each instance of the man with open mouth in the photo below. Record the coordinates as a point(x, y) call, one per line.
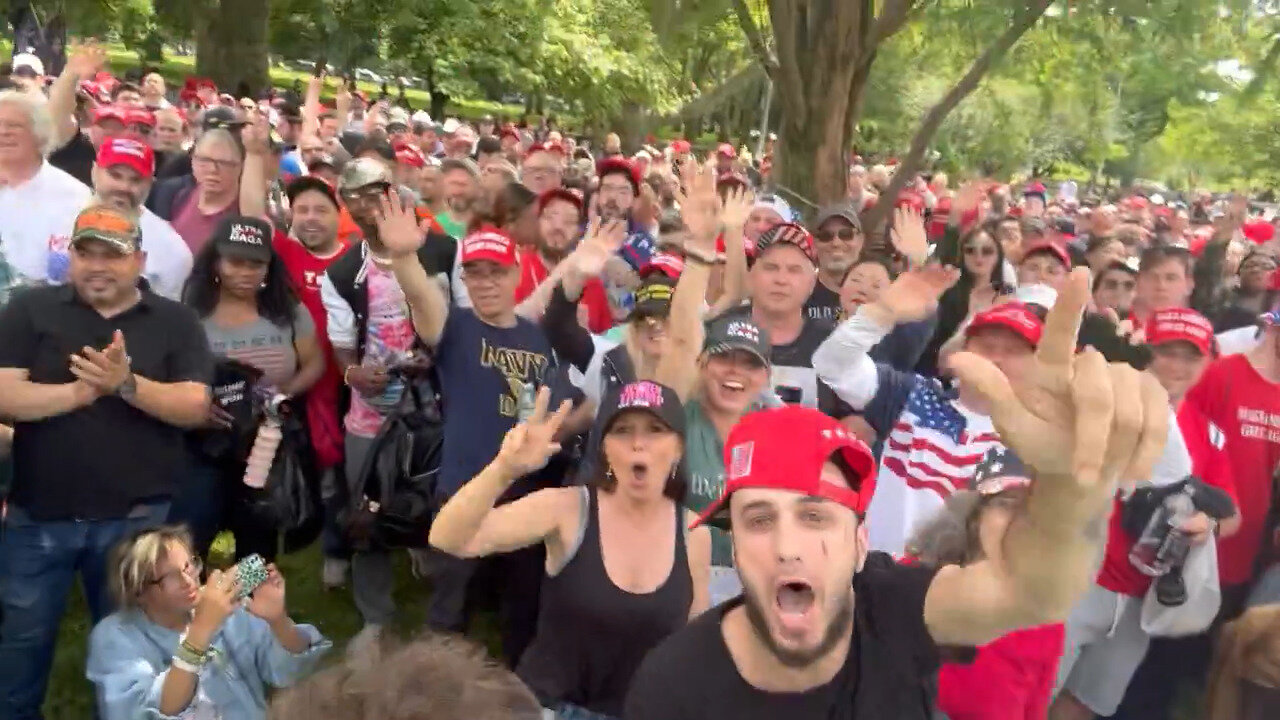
point(825, 628)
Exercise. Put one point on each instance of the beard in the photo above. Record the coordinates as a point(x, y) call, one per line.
point(610, 210)
point(840, 626)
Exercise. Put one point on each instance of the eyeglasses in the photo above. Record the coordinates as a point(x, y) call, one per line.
point(980, 251)
point(192, 570)
point(221, 165)
point(845, 233)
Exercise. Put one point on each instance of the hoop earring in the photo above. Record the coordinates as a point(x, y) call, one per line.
point(217, 279)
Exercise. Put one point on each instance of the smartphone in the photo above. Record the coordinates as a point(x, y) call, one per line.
point(252, 572)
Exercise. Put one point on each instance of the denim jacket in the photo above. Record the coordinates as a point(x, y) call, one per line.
point(129, 658)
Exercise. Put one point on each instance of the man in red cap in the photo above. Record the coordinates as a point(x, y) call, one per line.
point(827, 628)
point(543, 167)
point(725, 157)
point(1044, 263)
point(490, 361)
point(559, 221)
point(933, 438)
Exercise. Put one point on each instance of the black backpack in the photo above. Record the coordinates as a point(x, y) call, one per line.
point(391, 503)
point(290, 500)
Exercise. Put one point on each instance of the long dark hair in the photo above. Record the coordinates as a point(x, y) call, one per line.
point(276, 302)
point(677, 484)
point(967, 279)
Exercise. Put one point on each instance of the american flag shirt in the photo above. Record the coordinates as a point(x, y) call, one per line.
point(932, 447)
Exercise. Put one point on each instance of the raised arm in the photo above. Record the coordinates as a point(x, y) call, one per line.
point(311, 107)
point(82, 63)
point(469, 526)
point(253, 176)
point(733, 218)
point(842, 360)
point(1081, 426)
point(400, 235)
point(700, 210)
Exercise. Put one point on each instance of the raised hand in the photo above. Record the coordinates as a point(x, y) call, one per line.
point(398, 226)
point(736, 207)
point(219, 597)
point(602, 241)
point(968, 199)
point(908, 235)
point(84, 61)
point(700, 207)
point(914, 294)
point(1072, 417)
point(529, 445)
point(257, 135)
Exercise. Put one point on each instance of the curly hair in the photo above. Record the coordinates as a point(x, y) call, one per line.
point(435, 677)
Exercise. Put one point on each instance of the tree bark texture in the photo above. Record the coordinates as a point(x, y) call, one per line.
point(231, 43)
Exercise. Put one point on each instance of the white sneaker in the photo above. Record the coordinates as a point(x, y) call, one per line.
point(334, 573)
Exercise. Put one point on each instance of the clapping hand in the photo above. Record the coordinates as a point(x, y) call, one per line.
point(909, 237)
point(529, 445)
point(398, 226)
point(106, 370)
point(1072, 417)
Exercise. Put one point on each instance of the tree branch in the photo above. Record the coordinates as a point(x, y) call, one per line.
point(1022, 22)
point(893, 16)
point(754, 38)
point(788, 81)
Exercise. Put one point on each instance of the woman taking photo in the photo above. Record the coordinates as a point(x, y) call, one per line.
point(240, 290)
point(622, 571)
point(176, 649)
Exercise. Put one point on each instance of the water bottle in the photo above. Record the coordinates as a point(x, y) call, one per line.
point(1163, 544)
point(525, 406)
point(265, 445)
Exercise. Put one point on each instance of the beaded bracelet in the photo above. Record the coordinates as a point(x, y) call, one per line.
point(188, 653)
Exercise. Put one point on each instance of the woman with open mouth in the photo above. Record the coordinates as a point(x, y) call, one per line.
point(622, 571)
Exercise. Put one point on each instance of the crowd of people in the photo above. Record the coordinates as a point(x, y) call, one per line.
point(994, 452)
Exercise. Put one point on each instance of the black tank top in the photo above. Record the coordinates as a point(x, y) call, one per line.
point(591, 634)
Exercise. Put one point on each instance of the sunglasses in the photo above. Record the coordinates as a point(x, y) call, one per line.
point(845, 233)
point(980, 251)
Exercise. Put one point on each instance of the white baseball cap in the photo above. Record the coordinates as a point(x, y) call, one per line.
point(776, 204)
point(422, 116)
point(451, 126)
point(28, 60)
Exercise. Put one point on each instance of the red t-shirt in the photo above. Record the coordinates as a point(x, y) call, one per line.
point(532, 274)
point(1246, 406)
point(305, 271)
point(1209, 462)
point(1011, 678)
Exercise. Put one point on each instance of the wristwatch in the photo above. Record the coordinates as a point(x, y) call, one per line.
point(128, 389)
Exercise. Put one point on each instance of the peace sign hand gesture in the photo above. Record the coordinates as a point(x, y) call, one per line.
point(1072, 417)
point(529, 445)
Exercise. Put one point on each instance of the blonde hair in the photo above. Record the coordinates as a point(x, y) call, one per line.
point(135, 559)
point(36, 108)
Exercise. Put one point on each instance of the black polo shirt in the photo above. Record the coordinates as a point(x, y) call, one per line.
point(100, 461)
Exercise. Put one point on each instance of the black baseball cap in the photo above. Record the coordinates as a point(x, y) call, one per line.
point(653, 298)
point(243, 237)
point(727, 334)
point(651, 397)
point(303, 183)
point(222, 116)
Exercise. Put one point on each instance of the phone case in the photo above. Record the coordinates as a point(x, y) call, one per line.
point(252, 572)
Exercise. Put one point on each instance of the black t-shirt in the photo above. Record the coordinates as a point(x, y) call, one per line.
point(823, 304)
point(887, 675)
point(793, 376)
point(98, 461)
point(76, 158)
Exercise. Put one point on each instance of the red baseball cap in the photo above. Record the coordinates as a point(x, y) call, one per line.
point(1052, 248)
point(489, 243)
point(128, 151)
point(1014, 316)
point(139, 116)
point(726, 150)
point(559, 193)
point(667, 263)
point(680, 146)
point(110, 112)
point(548, 147)
point(785, 449)
point(1182, 324)
point(1259, 231)
point(619, 164)
point(407, 154)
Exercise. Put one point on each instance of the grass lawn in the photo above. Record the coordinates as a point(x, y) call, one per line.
point(176, 68)
point(71, 696)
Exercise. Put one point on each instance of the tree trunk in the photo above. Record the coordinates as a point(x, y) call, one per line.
point(231, 45)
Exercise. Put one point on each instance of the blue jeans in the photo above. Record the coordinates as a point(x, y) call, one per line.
point(565, 711)
point(38, 561)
